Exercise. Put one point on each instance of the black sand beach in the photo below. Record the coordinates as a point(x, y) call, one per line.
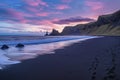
point(94, 59)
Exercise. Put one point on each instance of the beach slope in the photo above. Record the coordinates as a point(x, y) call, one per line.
point(97, 58)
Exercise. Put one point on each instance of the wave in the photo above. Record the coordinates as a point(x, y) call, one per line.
point(46, 40)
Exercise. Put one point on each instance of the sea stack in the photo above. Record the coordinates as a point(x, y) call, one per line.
point(4, 47)
point(46, 34)
point(54, 33)
point(19, 45)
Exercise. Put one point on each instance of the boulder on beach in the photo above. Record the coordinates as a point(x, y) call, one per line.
point(19, 45)
point(4, 47)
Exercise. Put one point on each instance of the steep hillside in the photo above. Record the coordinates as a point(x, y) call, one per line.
point(105, 25)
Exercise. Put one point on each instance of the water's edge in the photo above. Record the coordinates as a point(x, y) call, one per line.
point(16, 55)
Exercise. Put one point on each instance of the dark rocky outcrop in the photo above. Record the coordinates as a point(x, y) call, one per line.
point(109, 19)
point(4, 47)
point(19, 45)
point(54, 33)
point(105, 25)
point(46, 34)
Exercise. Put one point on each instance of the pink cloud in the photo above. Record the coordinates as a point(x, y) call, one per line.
point(62, 7)
point(24, 21)
point(36, 2)
point(14, 14)
point(94, 5)
point(42, 2)
point(49, 23)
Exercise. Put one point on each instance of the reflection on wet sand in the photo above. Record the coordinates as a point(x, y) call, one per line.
point(16, 55)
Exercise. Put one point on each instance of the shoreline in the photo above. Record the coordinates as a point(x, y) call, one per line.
point(70, 63)
point(42, 40)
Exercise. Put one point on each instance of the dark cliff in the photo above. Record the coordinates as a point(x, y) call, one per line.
point(105, 25)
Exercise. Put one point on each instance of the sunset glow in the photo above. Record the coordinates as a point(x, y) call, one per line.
point(44, 15)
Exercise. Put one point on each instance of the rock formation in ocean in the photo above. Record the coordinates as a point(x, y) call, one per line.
point(46, 34)
point(54, 33)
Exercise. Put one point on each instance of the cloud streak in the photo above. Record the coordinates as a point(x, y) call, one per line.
point(62, 7)
point(11, 14)
point(36, 3)
point(73, 20)
point(94, 5)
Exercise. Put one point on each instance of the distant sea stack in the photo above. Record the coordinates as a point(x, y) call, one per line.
point(46, 34)
point(105, 25)
point(54, 33)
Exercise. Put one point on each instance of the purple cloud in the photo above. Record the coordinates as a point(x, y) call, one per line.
point(73, 20)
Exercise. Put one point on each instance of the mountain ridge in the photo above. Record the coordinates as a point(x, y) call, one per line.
point(108, 24)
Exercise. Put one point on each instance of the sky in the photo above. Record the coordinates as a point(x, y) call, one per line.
point(38, 16)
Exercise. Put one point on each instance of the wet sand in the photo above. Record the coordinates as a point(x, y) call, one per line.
point(94, 59)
